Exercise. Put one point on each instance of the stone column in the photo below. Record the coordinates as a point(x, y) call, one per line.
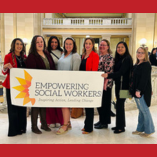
point(81, 45)
point(48, 15)
point(107, 37)
point(7, 32)
point(64, 37)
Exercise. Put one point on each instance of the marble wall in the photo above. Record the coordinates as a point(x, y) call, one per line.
point(143, 27)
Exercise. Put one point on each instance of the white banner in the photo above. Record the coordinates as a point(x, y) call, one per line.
point(50, 88)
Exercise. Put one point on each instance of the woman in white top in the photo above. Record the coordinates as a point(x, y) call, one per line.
point(70, 60)
point(54, 116)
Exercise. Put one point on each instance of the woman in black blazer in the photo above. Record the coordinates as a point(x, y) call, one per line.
point(141, 89)
point(122, 68)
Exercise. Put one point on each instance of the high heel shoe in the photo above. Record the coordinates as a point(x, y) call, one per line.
point(114, 128)
point(119, 131)
point(61, 130)
point(85, 132)
point(69, 126)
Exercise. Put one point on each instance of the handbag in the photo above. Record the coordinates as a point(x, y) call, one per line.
point(124, 93)
point(76, 112)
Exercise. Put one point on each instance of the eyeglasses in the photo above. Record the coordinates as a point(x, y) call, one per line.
point(103, 45)
point(68, 44)
point(142, 53)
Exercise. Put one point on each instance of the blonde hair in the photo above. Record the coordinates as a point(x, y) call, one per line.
point(93, 42)
point(146, 54)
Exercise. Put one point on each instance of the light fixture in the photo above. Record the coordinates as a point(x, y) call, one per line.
point(143, 42)
point(87, 36)
point(25, 41)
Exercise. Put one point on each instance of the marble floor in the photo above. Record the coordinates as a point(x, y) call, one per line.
point(75, 136)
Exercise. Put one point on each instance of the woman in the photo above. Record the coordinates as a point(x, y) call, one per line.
point(142, 90)
point(90, 62)
point(70, 60)
point(17, 115)
point(153, 57)
point(106, 63)
point(122, 68)
point(38, 58)
point(54, 116)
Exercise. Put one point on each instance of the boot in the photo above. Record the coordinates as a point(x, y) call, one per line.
point(34, 118)
point(43, 119)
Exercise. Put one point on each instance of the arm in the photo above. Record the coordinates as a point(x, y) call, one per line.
point(145, 75)
point(108, 66)
point(124, 68)
point(7, 65)
point(76, 60)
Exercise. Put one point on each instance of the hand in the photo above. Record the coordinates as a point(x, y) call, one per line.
point(7, 66)
point(138, 94)
point(105, 75)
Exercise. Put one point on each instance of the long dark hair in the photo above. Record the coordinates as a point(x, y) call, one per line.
point(153, 50)
point(74, 50)
point(117, 56)
point(12, 49)
point(33, 49)
point(49, 48)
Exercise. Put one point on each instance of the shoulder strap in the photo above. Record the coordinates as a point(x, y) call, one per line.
point(55, 55)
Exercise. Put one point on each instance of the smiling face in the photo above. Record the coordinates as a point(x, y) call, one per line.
point(69, 45)
point(154, 51)
point(103, 47)
point(18, 46)
point(121, 49)
point(140, 55)
point(89, 45)
point(39, 44)
point(54, 44)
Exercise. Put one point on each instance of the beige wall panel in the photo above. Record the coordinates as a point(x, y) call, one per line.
point(8, 31)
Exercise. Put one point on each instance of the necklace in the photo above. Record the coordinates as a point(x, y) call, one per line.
point(20, 60)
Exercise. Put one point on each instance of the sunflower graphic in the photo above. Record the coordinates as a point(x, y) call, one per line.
point(23, 88)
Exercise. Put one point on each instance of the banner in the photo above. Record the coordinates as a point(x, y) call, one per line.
point(51, 88)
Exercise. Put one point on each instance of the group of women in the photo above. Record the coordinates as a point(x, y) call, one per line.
point(120, 69)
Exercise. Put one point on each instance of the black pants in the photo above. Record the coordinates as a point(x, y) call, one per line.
point(34, 116)
point(17, 117)
point(120, 113)
point(89, 119)
point(105, 109)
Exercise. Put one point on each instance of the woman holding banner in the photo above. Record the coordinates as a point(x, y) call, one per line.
point(38, 58)
point(70, 60)
point(106, 63)
point(90, 62)
point(122, 69)
point(54, 116)
point(17, 115)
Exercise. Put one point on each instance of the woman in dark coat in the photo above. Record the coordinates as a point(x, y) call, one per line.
point(122, 68)
point(141, 89)
point(38, 58)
